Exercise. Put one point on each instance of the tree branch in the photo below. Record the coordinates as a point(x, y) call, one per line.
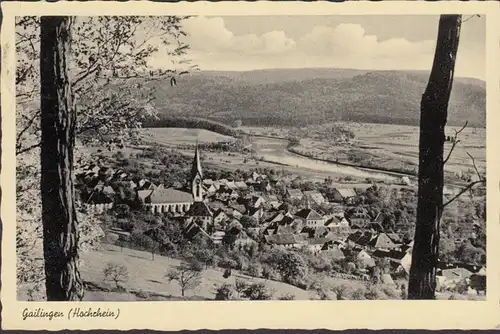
point(455, 142)
point(20, 134)
point(29, 148)
point(464, 190)
point(475, 167)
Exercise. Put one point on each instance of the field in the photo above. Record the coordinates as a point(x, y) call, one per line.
point(181, 136)
point(147, 278)
point(393, 147)
point(267, 152)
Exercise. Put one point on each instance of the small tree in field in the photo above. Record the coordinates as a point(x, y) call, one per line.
point(188, 275)
point(116, 272)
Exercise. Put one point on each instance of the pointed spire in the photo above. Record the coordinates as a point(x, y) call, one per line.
point(196, 168)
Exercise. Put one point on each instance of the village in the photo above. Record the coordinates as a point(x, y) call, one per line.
point(336, 223)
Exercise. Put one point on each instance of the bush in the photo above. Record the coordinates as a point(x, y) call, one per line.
point(257, 291)
point(254, 269)
point(287, 296)
point(225, 292)
point(269, 272)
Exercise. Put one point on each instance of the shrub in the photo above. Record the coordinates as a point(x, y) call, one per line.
point(287, 296)
point(254, 269)
point(225, 292)
point(269, 272)
point(257, 291)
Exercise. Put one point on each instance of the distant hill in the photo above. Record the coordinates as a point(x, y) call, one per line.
point(307, 96)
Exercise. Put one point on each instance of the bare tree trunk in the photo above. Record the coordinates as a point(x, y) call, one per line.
point(434, 112)
point(60, 227)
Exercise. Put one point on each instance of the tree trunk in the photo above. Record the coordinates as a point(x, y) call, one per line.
point(60, 227)
point(434, 112)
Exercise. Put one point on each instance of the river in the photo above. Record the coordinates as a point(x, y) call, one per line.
point(275, 150)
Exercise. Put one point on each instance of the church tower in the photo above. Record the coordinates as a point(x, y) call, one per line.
point(197, 177)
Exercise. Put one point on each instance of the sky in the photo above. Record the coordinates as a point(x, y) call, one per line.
point(397, 42)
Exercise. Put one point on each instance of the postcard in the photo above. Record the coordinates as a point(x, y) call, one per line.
point(250, 165)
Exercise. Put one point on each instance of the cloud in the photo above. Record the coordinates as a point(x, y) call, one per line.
point(350, 40)
point(346, 45)
point(211, 35)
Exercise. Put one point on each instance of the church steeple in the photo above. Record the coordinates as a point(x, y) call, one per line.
point(197, 176)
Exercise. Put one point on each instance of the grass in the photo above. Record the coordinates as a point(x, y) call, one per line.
point(147, 278)
point(395, 146)
point(183, 136)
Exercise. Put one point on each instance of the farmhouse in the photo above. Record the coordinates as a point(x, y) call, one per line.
point(286, 240)
point(339, 195)
point(294, 194)
point(310, 218)
point(315, 196)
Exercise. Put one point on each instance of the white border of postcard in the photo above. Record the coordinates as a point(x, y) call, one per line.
point(194, 315)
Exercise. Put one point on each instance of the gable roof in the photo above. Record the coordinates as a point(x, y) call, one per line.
point(315, 195)
point(199, 209)
point(294, 192)
point(143, 194)
point(382, 241)
point(308, 214)
point(220, 212)
point(285, 239)
point(347, 192)
point(208, 182)
point(241, 185)
point(252, 211)
point(456, 273)
point(169, 195)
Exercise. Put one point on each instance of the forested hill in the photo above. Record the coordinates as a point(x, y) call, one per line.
point(307, 96)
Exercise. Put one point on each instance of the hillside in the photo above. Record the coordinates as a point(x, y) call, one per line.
point(147, 277)
point(298, 97)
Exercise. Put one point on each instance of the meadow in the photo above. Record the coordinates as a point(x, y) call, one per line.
point(393, 147)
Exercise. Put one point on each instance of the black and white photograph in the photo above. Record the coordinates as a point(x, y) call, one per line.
point(250, 157)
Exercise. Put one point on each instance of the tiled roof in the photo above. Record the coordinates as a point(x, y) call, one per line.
point(391, 254)
point(199, 209)
point(315, 195)
point(169, 195)
point(285, 239)
point(361, 238)
point(346, 192)
point(294, 192)
point(143, 194)
point(308, 214)
point(456, 273)
point(317, 241)
point(241, 185)
point(382, 241)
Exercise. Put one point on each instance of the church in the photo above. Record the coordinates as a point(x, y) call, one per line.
point(181, 203)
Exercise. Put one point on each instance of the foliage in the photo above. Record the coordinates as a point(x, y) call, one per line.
point(225, 292)
point(116, 272)
point(257, 291)
point(240, 286)
point(108, 53)
point(287, 296)
point(254, 269)
point(291, 267)
point(188, 275)
point(29, 241)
